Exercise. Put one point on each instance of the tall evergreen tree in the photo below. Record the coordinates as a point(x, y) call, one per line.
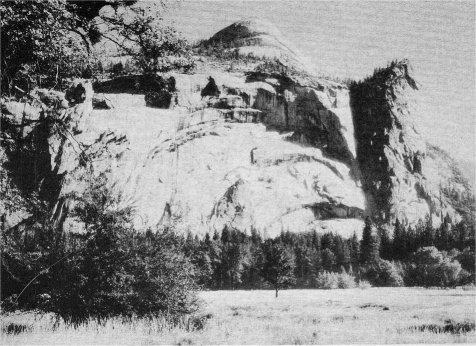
point(354, 247)
point(386, 246)
point(328, 259)
point(443, 236)
point(342, 253)
point(428, 233)
point(369, 245)
point(399, 241)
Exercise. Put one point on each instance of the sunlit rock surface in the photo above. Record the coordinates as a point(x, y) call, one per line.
point(269, 151)
point(201, 172)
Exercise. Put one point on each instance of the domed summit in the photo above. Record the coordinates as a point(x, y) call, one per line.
point(259, 38)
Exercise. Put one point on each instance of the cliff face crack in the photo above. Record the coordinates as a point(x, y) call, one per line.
point(293, 158)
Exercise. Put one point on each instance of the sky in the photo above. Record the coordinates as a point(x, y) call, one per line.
point(348, 39)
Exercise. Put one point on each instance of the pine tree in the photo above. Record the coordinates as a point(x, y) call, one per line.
point(316, 265)
point(304, 263)
point(442, 236)
point(369, 245)
point(342, 253)
point(428, 233)
point(328, 259)
point(386, 246)
point(354, 247)
point(412, 239)
point(399, 241)
point(327, 241)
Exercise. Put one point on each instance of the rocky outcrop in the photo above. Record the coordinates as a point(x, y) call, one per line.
point(319, 114)
point(37, 149)
point(401, 177)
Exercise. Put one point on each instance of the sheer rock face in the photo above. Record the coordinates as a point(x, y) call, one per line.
point(318, 113)
point(199, 171)
point(202, 170)
point(264, 150)
point(401, 177)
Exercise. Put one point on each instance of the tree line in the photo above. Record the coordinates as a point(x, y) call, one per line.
point(234, 260)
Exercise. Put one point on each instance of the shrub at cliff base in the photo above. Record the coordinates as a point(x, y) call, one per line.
point(383, 273)
point(430, 267)
point(109, 270)
point(329, 280)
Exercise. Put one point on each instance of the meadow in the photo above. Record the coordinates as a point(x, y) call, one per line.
point(347, 316)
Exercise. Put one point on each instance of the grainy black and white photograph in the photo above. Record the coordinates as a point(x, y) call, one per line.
point(192, 172)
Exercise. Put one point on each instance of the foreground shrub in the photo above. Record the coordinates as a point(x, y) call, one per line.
point(430, 267)
point(109, 270)
point(329, 280)
point(383, 273)
point(466, 259)
point(345, 280)
point(364, 284)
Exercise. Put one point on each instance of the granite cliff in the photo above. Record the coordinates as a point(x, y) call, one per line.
point(270, 148)
point(403, 176)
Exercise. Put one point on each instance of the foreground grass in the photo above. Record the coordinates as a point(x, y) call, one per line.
point(374, 315)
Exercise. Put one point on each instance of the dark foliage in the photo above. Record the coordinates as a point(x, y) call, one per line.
point(383, 273)
point(46, 43)
point(369, 244)
point(235, 260)
point(430, 267)
point(42, 44)
point(211, 89)
point(108, 270)
point(278, 265)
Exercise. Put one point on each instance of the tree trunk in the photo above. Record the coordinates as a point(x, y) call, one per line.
point(276, 291)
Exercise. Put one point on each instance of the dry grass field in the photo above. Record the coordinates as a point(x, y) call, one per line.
point(352, 316)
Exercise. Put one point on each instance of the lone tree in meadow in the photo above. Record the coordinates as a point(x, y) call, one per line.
point(278, 265)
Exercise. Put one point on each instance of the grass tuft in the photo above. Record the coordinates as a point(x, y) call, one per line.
point(16, 328)
point(450, 326)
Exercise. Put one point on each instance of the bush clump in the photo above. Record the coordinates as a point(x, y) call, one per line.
point(329, 280)
point(109, 269)
point(430, 267)
point(384, 274)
